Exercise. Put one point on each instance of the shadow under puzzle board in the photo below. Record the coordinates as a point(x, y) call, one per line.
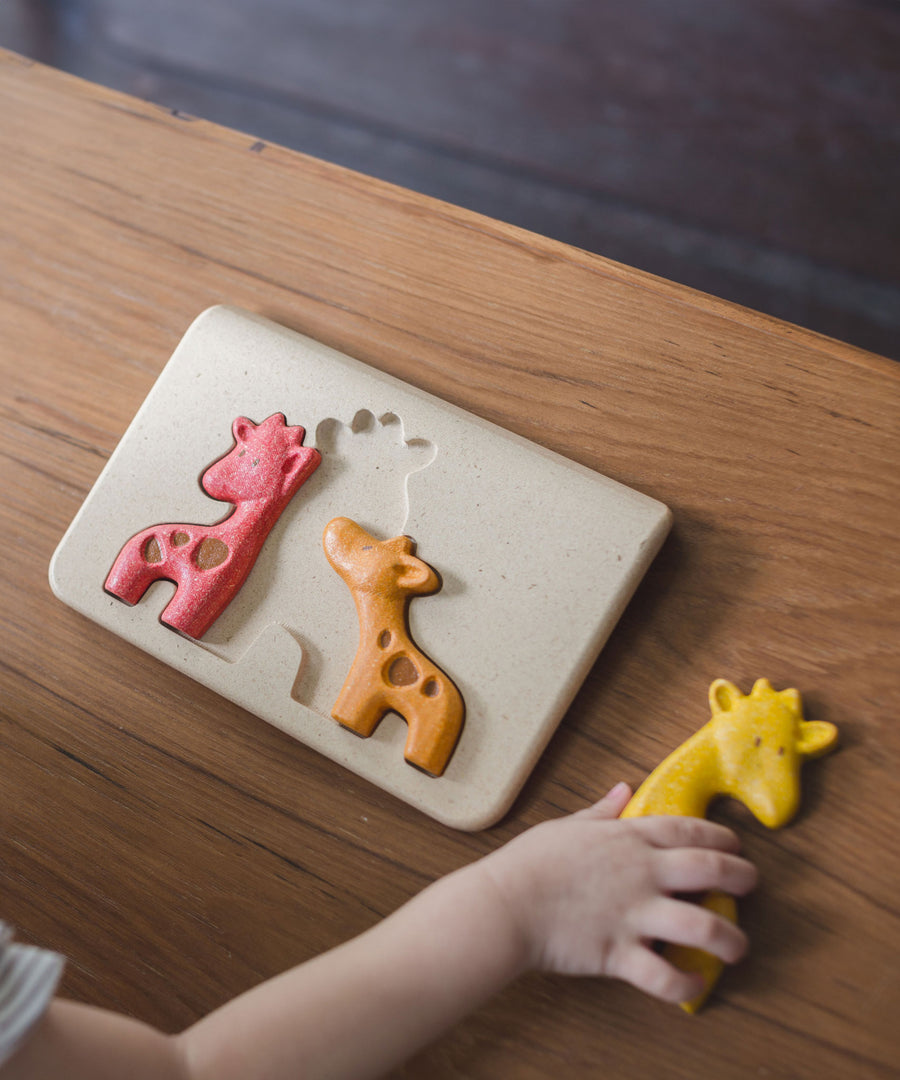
point(538, 555)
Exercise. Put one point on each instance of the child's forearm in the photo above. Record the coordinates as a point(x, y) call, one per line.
point(372, 1002)
point(355, 1011)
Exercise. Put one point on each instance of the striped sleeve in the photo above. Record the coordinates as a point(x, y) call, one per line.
point(28, 978)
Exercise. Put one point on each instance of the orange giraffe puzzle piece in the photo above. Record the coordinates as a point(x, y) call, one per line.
point(751, 750)
point(389, 671)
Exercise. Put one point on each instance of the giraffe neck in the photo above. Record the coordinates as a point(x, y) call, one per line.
point(376, 632)
point(683, 784)
point(250, 519)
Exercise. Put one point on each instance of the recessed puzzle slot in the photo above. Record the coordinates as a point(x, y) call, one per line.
point(366, 464)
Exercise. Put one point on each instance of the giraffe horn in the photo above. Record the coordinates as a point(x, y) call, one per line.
point(402, 544)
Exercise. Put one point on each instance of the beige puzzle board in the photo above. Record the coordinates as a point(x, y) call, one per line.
point(538, 555)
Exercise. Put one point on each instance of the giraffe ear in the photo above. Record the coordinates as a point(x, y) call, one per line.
point(414, 574)
point(241, 428)
point(816, 737)
point(723, 696)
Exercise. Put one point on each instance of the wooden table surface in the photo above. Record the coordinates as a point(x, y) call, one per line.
point(178, 850)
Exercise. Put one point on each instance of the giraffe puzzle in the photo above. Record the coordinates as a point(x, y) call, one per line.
point(751, 750)
point(209, 563)
point(389, 671)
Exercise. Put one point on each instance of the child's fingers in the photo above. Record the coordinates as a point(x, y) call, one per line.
point(701, 869)
point(671, 831)
point(649, 972)
point(677, 921)
point(610, 806)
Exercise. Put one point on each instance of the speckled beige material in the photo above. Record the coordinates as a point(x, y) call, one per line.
point(537, 555)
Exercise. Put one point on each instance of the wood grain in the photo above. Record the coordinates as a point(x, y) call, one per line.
point(177, 850)
point(747, 148)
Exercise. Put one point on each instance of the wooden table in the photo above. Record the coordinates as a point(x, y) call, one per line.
point(178, 850)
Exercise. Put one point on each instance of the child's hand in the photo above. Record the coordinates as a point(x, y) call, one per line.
point(590, 894)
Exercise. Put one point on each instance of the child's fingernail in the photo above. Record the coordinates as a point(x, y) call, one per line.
point(620, 789)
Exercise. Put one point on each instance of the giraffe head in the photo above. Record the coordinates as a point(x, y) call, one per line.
point(268, 461)
point(377, 566)
point(761, 742)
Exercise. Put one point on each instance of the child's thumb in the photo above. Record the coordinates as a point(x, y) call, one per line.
point(611, 805)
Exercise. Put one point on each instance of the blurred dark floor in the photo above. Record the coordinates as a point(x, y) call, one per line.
point(749, 148)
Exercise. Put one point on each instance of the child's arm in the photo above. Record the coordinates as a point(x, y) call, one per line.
point(585, 894)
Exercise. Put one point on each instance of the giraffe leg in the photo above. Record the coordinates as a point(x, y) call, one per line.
point(192, 611)
point(359, 707)
point(696, 960)
point(434, 725)
point(137, 566)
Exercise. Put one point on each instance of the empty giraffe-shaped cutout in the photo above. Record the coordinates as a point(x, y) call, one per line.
point(390, 672)
point(208, 563)
point(366, 466)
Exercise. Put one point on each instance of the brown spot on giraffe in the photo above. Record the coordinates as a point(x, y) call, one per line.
point(210, 553)
point(151, 551)
point(402, 672)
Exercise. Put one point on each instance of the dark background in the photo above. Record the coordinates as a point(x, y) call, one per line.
point(748, 148)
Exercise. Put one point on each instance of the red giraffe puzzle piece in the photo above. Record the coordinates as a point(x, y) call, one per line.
point(209, 563)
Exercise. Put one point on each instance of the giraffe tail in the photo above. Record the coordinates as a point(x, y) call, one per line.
point(698, 961)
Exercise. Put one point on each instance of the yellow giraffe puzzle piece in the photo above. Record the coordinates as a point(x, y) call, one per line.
point(751, 750)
